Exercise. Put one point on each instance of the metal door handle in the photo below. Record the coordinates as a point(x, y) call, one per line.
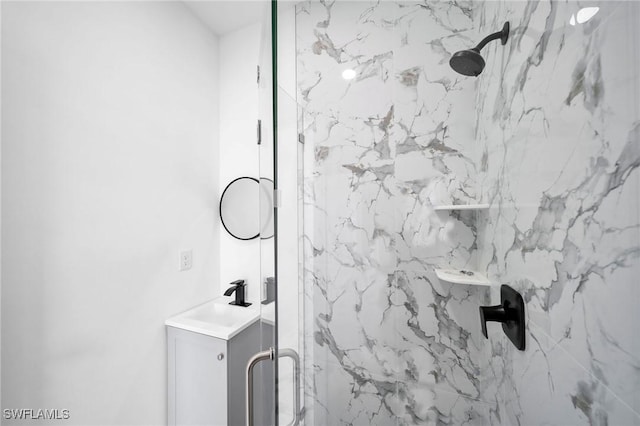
point(270, 355)
point(290, 353)
point(253, 361)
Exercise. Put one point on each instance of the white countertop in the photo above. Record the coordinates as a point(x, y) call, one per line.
point(216, 318)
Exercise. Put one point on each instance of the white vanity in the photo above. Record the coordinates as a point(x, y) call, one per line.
point(208, 350)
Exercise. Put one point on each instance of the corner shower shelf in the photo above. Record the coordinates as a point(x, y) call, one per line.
point(462, 207)
point(457, 276)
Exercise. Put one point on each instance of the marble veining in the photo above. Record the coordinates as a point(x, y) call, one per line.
point(548, 135)
point(389, 343)
point(570, 237)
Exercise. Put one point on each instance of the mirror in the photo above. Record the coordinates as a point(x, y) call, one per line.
point(246, 208)
point(239, 208)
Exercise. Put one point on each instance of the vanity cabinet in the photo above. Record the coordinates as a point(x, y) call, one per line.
point(206, 377)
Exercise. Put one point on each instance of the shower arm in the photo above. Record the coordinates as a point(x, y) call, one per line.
point(487, 39)
point(503, 35)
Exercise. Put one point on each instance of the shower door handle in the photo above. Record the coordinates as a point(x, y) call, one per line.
point(253, 361)
point(270, 355)
point(290, 353)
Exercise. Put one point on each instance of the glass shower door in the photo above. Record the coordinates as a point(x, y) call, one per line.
point(288, 152)
point(527, 175)
point(289, 303)
point(262, 369)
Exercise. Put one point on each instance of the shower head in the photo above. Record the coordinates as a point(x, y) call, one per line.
point(470, 62)
point(467, 62)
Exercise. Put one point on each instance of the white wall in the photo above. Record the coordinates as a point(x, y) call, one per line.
point(238, 147)
point(109, 136)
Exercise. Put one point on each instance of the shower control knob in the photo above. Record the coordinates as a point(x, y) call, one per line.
point(510, 312)
point(220, 356)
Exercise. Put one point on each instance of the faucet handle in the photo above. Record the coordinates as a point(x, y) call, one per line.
point(237, 286)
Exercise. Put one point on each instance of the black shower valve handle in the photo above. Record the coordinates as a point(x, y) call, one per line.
point(496, 313)
point(510, 313)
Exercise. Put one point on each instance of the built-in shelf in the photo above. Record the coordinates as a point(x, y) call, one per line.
point(466, 277)
point(462, 207)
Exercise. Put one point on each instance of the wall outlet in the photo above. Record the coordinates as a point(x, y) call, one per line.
point(186, 260)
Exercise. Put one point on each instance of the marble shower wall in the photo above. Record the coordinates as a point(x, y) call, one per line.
point(386, 341)
point(548, 135)
point(558, 126)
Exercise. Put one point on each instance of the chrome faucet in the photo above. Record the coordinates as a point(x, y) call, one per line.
point(238, 286)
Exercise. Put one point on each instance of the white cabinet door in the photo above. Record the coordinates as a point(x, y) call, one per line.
point(197, 379)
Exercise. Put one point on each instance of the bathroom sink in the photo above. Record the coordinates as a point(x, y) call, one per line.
point(215, 318)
